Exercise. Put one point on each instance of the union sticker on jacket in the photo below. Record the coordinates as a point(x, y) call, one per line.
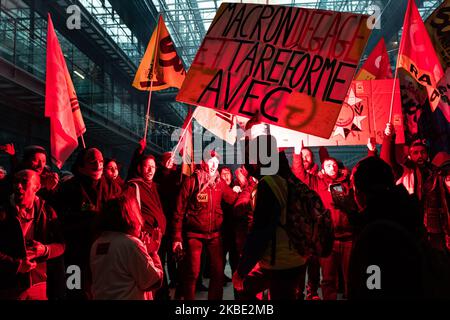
point(202, 197)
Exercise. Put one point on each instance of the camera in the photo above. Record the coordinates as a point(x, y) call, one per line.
point(338, 192)
point(343, 197)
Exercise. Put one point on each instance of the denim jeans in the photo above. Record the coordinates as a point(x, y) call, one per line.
point(191, 267)
point(339, 258)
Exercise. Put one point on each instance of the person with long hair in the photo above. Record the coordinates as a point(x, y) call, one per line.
point(123, 260)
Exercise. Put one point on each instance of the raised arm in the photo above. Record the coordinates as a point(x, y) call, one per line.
point(132, 170)
point(371, 148)
point(388, 150)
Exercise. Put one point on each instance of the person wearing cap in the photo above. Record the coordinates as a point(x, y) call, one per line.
point(35, 158)
point(197, 226)
point(78, 202)
point(436, 203)
point(415, 171)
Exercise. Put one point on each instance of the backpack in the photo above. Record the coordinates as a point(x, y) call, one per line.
point(307, 222)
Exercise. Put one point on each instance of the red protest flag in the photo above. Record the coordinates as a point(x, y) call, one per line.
point(161, 67)
point(417, 55)
point(377, 65)
point(61, 103)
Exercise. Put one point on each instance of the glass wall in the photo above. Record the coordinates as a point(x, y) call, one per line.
point(23, 42)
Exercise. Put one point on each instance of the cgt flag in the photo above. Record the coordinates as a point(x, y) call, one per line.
point(61, 103)
point(417, 55)
point(377, 65)
point(161, 67)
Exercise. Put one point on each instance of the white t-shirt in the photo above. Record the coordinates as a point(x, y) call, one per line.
point(121, 268)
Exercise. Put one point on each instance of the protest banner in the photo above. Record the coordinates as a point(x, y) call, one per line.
point(364, 114)
point(438, 27)
point(292, 65)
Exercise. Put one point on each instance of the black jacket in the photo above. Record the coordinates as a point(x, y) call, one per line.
point(12, 243)
point(199, 212)
point(78, 202)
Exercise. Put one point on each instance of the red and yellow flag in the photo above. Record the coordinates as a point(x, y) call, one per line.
point(161, 67)
point(417, 55)
point(61, 103)
point(377, 65)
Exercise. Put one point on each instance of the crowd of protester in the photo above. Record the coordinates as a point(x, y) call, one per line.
point(156, 234)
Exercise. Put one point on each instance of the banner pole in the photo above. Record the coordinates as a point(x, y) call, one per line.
point(152, 69)
point(82, 141)
point(147, 115)
point(399, 52)
point(182, 135)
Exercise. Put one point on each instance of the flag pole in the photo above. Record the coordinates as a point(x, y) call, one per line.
point(182, 135)
point(153, 68)
point(192, 141)
point(82, 141)
point(393, 88)
point(391, 107)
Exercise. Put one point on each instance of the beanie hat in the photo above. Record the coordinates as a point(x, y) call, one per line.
point(30, 151)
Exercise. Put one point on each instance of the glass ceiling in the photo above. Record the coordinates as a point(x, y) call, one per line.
point(188, 20)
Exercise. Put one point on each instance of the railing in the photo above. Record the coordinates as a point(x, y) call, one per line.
point(27, 50)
